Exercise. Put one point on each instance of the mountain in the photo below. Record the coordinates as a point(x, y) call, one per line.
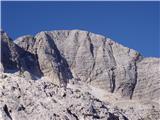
point(112, 81)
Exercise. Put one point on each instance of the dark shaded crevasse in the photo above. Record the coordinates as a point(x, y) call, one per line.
point(75, 116)
point(5, 108)
point(138, 59)
point(64, 71)
point(125, 118)
point(29, 62)
point(113, 76)
point(91, 49)
point(136, 73)
point(7, 60)
point(21, 108)
point(16, 58)
point(129, 86)
point(135, 60)
point(91, 44)
point(112, 117)
point(112, 80)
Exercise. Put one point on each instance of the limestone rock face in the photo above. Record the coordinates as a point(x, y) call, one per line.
point(16, 58)
point(148, 79)
point(81, 74)
point(26, 42)
point(99, 61)
point(9, 52)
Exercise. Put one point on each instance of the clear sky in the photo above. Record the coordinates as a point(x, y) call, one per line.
point(133, 24)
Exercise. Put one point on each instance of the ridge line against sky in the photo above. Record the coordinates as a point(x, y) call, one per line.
point(88, 0)
point(133, 24)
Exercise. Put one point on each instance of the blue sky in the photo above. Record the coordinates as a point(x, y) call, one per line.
point(133, 24)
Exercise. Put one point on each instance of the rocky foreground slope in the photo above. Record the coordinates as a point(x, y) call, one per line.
point(73, 74)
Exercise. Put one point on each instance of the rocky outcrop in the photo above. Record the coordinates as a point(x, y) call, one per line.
point(99, 61)
point(16, 58)
point(10, 52)
point(23, 99)
point(148, 79)
point(73, 104)
point(64, 55)
point(81, 74)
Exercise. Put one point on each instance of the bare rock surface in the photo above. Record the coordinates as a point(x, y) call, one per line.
point(148, 80)
point(10, 52)
point(74, 74)
point(99, 61)
point(23, 99)
point(15, 58)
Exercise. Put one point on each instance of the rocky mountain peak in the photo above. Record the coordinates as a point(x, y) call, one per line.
point(63, 56)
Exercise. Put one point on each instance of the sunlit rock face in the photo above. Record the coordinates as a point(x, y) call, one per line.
point(64, 56)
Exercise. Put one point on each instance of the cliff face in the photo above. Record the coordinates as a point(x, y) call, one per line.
point(15, 58)
point(148, 80)
point(68, 55)
point(64, 55)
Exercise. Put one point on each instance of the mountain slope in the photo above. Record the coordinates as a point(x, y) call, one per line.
point(99, 61)
point(64, 56)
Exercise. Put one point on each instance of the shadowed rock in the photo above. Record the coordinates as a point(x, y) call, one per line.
point(15, 58)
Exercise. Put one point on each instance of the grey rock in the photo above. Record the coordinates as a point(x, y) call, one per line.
point(1, 68)
point(63, 55)
point(148, 79)
point(9, 52)
point(28, 99)
point(27, 75)
point(74, 70)
point(16, 58)
point(99, 61)
point(26, 42)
